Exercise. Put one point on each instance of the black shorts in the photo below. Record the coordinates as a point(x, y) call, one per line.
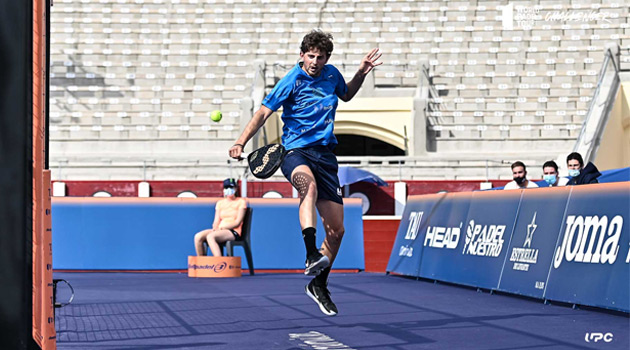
point(323, 163)
point(236, 235)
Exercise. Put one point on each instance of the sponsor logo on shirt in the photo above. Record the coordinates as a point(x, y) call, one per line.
point(318, 92)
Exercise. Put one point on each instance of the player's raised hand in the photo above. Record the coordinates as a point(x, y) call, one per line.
point(369, 61)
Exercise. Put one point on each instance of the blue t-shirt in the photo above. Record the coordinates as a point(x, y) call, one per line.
point(309, 105)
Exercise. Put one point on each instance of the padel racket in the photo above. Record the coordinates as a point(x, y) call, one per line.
point(264, 161)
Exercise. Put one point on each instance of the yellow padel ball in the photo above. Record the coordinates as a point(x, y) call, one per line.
point(216, 115)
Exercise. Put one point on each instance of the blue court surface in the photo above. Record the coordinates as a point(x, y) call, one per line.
point(271, 311)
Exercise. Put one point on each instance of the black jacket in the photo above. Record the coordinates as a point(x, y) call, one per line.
point(588, 175)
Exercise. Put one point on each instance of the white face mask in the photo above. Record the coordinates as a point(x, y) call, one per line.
point(574, 172)
point(228, 192)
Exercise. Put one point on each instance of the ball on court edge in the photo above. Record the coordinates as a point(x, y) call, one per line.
point(216, 115)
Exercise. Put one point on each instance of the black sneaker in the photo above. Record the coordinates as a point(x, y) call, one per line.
point(321, 296)
point(315, 263)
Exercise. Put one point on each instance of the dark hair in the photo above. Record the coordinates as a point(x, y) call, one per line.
point(518, 163)
point(319, 40)
point(577, 157)
point(551, 163)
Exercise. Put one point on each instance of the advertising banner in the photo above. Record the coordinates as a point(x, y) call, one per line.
point(591, 260)
point(407, 250)
point(534, 240)
point(480, 226)
point(214, 266)
point(568, 244)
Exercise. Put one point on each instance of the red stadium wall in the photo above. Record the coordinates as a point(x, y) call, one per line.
point(381, 198)
point(379, 235)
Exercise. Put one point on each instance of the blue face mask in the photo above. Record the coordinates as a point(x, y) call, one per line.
point(229, 192)
point(550, 179)
point(574, 172)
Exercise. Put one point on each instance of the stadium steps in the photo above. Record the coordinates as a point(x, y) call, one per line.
point(134, 71)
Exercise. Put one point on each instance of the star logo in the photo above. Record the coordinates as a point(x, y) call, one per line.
point(530, 232)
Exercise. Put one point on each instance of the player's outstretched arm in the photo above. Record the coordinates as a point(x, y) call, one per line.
point(257, 121)
point(367, 64)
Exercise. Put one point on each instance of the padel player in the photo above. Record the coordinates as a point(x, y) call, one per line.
point(308, 95)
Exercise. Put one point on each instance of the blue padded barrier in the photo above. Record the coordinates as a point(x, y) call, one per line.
point(473, 240)
point(157, 233)
point(592, 256)
point(533, 242)
point(568, 244)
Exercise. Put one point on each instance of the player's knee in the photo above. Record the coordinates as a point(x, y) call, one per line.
point(199, 237)
point(312, 190)
point(211, 237)
point(336, 234)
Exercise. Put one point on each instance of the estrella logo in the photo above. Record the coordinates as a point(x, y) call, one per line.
point(220, 267)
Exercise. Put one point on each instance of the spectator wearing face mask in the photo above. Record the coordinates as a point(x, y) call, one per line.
point(550, 175)
point(229, 213)
point(519, 174)
point(580, 174)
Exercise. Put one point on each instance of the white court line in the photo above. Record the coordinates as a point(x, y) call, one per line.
point(319, 341)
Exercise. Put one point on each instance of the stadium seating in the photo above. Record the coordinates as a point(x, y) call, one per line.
point(136, 80)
